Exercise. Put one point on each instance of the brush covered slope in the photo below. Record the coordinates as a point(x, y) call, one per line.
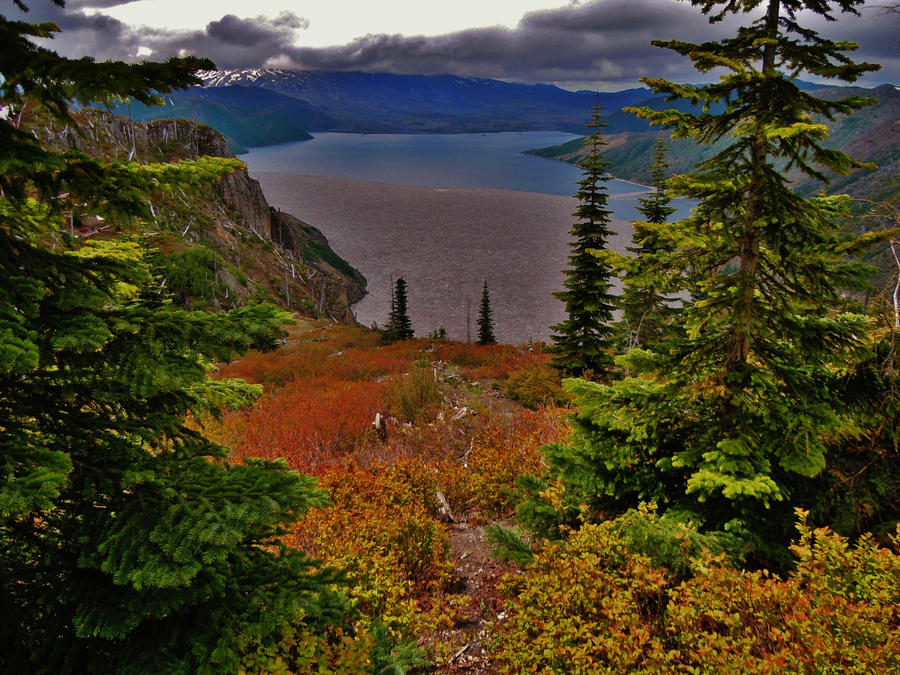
point(218, 249)
point(246, 116)
point(415, 501)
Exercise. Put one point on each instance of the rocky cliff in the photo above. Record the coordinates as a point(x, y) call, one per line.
point(224, 247)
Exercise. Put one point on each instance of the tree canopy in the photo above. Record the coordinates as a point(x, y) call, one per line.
point(128, 541)
point(486, 318)
point(581, 342)
point(727, 425)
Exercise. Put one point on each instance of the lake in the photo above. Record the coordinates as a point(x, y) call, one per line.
point(445, 212)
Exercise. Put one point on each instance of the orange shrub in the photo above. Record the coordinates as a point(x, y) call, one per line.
point(381, 529)
point(535, 385)
point(312, 422)
point(591, 605)
point(506, 449)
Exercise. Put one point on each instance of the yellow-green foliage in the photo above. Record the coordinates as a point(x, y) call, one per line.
point(381, 529)
point(585, 606)
point(304, 652)
point(414, 395)
point(590, 605)
point(535, 385)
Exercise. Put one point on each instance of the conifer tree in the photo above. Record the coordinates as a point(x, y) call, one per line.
point(128, 542)
point(485, 318)
point(727, 425)
point(646, 311)
point(399, 324)
point(582, 340)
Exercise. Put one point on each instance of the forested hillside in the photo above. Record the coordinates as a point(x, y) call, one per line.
point(871, 135)
point(246, 116)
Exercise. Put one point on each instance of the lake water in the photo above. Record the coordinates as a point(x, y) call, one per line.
point(446, 212)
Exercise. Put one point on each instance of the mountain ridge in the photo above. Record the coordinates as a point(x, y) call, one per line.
point(265, 106)
point(870, 135)
point(447, 103)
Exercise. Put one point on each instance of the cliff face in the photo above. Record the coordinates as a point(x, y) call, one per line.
point(226, 247)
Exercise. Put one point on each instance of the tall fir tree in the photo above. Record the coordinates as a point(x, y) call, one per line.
point(486, 318)
point(646, 312)
point(399, 323)
point(128, 542)
point(582, 341)
point(728, 425)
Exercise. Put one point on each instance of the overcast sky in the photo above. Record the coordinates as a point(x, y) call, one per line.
point(599, 44)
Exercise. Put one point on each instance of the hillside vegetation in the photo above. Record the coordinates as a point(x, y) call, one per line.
point(870, 135)
point(216, 249)
point(247, 117)
point(193, 480)
point(408, 508)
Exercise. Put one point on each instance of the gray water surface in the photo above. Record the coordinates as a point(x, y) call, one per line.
point(446, 211)
point(431, 160)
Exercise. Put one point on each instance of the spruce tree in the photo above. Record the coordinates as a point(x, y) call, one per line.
point(581, 341)
point(401, 326)
point(485, 318)
point(128, 542)
point(727, 426)
point(646, 311)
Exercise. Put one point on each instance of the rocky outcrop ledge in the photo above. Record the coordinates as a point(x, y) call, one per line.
point(264, 253)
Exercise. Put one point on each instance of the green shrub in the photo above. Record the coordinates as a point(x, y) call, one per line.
point(190, 274)
point(414, 395)
point(535, 385)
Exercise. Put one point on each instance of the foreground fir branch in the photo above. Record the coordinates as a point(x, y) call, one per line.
point(128, 542)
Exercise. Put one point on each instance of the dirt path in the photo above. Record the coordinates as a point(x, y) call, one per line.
point(479, 577)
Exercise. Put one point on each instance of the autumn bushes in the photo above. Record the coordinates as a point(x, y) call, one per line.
point(326, 384)
point(382, 530)
point(448, 431)
point(312, 422)
point(592, 604)
point(641, 593)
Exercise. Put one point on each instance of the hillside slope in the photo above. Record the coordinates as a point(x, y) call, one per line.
point(223, 248)
point(246, 116)
point(871, 135)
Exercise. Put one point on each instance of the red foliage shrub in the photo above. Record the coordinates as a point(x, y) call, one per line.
point(312, 422)
point(479, 362)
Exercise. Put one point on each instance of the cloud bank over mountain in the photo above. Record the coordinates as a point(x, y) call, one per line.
point(600, 44)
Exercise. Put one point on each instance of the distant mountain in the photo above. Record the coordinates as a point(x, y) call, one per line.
point(253, 107)
point(871, 134)
point(388, 103)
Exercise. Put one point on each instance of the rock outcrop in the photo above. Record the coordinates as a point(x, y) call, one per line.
point(257, 251)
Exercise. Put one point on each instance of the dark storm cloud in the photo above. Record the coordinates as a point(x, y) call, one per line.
point(229, 41)
point(97, 4)
point(604, 43)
